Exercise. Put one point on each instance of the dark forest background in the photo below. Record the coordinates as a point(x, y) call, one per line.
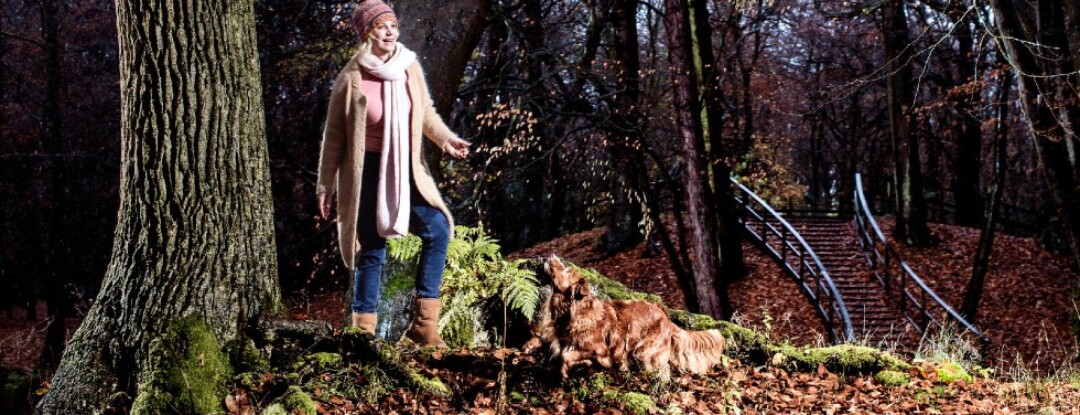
point(576, 117)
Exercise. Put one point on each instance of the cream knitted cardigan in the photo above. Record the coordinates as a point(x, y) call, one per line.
point(342, 157)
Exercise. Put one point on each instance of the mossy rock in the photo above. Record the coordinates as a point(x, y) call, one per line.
point(246, 357)
point(187, 371)
point(361, 347)
point(324, 360)
point(586, 387)
point(840, 359)
point(296, 401)
point(634, 402)
point(950, 372)
point(275, 409)
point(740, 340)
point(892, 378)
point(614, 290)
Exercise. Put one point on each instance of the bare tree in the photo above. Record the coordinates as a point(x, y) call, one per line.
point(1039, 39)
point(981, 263)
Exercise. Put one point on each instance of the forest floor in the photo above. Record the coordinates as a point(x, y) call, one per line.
point(1027, 311)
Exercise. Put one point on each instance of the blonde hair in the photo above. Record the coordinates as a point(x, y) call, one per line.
point(365, 46)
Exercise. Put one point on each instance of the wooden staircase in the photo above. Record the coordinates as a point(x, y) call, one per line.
point(874, 321)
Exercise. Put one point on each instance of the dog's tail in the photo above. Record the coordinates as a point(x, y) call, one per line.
point(696, 351)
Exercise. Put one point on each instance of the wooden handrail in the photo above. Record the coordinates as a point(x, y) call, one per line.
point(810, 274)
point(899, 284)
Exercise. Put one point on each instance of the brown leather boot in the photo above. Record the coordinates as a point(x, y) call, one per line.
point(365, 321)
point(425, 323)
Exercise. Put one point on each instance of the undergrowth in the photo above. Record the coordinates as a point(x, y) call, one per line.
point(476, 272)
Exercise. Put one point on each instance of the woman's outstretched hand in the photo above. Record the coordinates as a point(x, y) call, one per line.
point(456, 148)
point(324, 203)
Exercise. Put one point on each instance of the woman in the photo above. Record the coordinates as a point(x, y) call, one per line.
point(371, 146)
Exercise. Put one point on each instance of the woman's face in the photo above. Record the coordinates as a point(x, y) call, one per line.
point(385, 37)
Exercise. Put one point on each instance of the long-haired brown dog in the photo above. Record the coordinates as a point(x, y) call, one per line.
point(582, 329)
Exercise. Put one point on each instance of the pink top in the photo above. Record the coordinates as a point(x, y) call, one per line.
point(372, 88)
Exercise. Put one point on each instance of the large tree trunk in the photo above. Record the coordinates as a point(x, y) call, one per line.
point(911, 215)
point(702, 243)
point(443, 34)
point(195, 232)
point(1046, 79)
point(729, 231)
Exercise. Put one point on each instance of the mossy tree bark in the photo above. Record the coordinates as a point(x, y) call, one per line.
point(195, 232)
point(702, 242)
point(729, 230)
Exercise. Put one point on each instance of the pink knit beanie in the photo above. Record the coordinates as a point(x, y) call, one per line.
point(369, 14)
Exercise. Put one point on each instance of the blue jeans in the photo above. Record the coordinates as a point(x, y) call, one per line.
point(425, 221)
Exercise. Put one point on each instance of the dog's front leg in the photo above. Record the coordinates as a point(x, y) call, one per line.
point(531, 345)
point(571, 358)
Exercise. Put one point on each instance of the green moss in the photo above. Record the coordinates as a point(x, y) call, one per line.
point(325, 360)
point(275, 409)
point(613, 289)
point(950, 372)
point(153, 401)
point(250, 380)
point(584, 388)
point(186, 372)
point(740, 340)
point(841, 358)
point(516, 396)
point(377, 384)
point(296, 401)
point(599, 380)
point(636, 402)
point(432, 384)
point(361, 347)
point(923, 396)
point(892, 378)
point(246, 357)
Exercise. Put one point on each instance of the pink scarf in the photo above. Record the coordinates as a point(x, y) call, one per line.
point(392, 210)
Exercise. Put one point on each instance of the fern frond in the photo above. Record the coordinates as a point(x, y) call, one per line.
point(522, 290)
